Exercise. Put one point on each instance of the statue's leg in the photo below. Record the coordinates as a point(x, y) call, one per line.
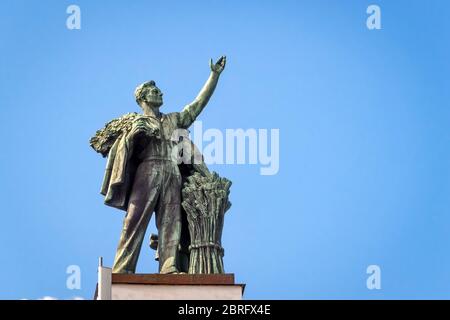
point(168, 220)
point(143, 199)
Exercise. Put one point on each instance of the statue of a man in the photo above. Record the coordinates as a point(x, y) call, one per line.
point(142, 177)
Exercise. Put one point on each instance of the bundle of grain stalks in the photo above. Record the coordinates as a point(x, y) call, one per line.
point(105, 137)
point(205, 200)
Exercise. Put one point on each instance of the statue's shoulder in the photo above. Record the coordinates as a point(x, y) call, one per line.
point(104, 138)
point(174, 117)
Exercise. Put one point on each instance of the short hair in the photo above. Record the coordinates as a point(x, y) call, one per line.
point(141, 90)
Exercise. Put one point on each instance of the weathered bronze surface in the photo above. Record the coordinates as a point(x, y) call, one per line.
point(142, 176)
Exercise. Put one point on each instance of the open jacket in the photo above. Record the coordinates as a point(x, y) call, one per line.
point(119, 174)
point(120, 171)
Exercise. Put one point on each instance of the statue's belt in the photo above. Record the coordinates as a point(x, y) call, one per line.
point(156, 158)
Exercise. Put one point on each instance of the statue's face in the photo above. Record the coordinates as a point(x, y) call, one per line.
point(153, 96)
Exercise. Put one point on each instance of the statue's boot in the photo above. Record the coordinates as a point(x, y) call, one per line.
point(168, 260)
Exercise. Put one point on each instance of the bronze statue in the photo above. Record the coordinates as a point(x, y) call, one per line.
point(142, 177)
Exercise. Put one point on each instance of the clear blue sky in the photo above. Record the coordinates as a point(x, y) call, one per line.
point(364, 138)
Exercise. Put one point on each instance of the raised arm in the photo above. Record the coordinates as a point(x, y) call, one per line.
point(192, 110)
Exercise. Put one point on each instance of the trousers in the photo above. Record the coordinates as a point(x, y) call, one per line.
point(156, 188)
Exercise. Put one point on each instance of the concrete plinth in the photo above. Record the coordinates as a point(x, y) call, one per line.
point(166, 286)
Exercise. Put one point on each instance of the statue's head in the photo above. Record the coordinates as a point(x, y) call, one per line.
point(149, 94)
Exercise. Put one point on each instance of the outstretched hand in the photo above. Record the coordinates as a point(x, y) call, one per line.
point(219, 65)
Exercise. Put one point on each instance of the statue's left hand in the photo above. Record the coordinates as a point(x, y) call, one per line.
point(219, 65)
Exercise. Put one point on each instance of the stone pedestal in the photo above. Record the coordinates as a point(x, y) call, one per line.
point(166, 286)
